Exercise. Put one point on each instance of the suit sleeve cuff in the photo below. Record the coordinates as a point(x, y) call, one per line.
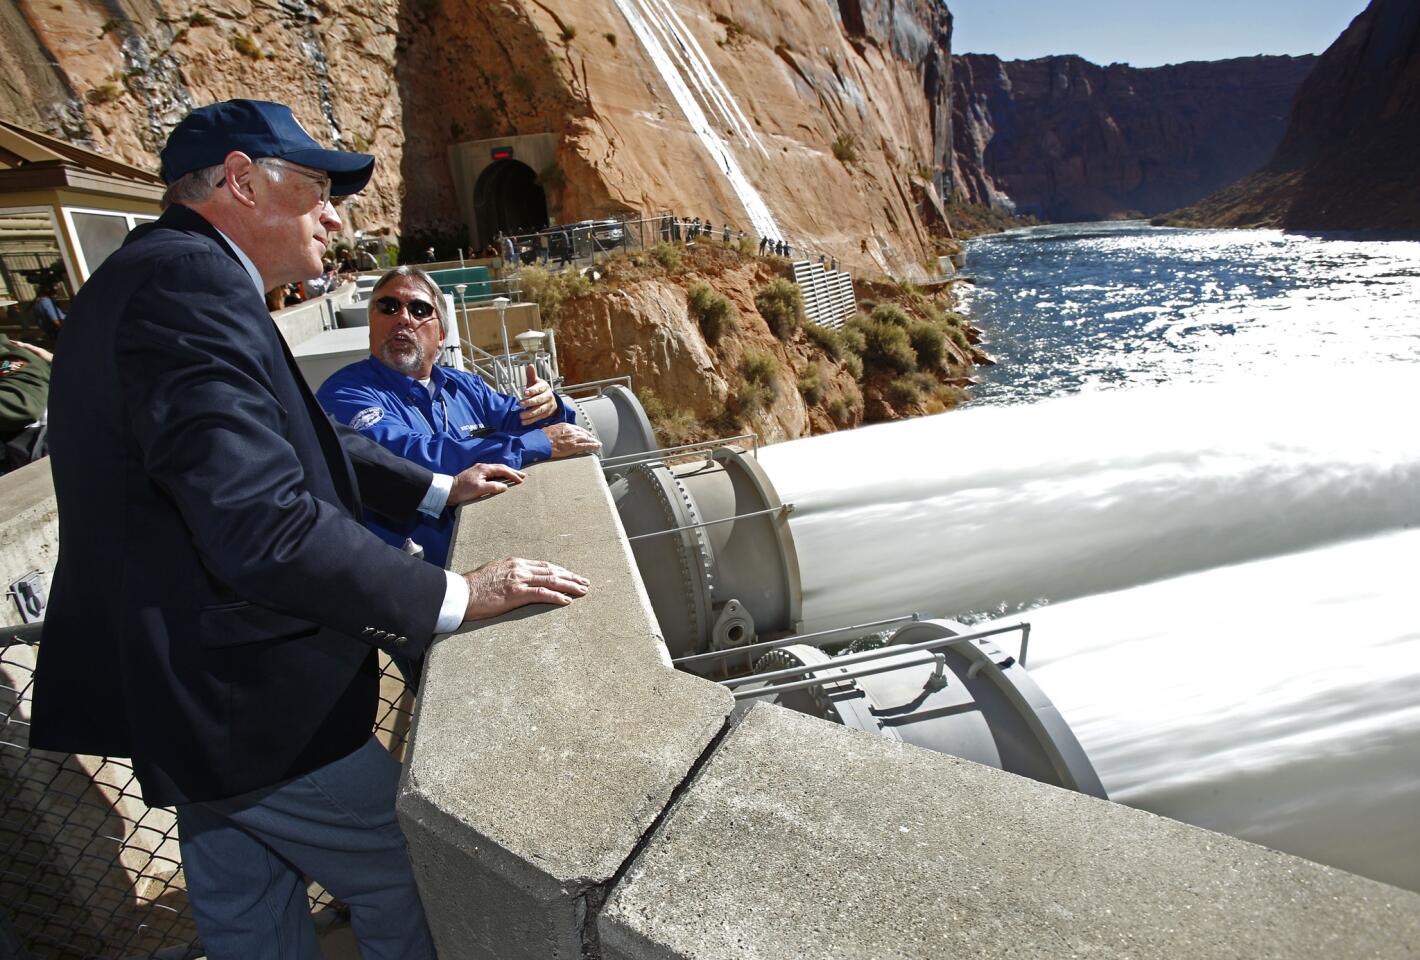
point(455, 603)
point(437, 498)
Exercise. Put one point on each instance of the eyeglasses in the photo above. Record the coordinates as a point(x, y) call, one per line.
point(419, 310)
point(320, 178)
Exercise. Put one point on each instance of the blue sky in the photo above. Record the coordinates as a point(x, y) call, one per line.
point(1148, 33)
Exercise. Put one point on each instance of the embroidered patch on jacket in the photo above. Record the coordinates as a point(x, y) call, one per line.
point(367, 418)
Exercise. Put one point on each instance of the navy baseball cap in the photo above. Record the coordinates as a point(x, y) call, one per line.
point(258, 128)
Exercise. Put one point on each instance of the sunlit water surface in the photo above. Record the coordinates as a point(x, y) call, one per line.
point(1196, 471)
point(1077, 307)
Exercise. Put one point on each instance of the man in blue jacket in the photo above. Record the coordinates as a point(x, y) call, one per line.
point(438, 417)
point(217, 605)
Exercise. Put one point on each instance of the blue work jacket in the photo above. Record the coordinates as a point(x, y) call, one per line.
point(462, 423)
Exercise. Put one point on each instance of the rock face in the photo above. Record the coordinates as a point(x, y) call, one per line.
point(1064, 139)
point(1347, 159)
point(834, 115)
point(117, 75)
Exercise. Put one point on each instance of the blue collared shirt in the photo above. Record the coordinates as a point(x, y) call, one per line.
point(455, 422)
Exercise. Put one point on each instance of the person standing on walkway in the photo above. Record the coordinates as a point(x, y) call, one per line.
point(46, 313)
point(217, 605)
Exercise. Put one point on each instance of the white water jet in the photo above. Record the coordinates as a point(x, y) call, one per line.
point(640, 14)
point(1000, 508)
point(1277, 701)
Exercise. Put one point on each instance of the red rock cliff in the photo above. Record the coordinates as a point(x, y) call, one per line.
point(834, 114)
point(1347, 159)
point(1064, 139)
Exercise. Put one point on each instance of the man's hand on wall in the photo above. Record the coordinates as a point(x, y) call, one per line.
point(568, 440)
point(483, 480)
point(538, 402)
point(503, 585)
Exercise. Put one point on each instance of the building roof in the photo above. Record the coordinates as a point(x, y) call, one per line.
point(30, 160)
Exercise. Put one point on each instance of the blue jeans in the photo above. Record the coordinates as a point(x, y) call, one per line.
point(246, 860)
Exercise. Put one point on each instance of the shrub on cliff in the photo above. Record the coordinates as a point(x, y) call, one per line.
point(886, 345)
point(903, 392)
point(550, 291)
point(911, 388)
point(781, 305)
point(247, 47)
point(847, 407)
point(711, 310)
point(673, 427)
point(929, 342)
point(890, 313)
point(811, 384)
point(845, 148)
point(850, 335)
point(667, 255)
point(760, 367)
point(826, 339)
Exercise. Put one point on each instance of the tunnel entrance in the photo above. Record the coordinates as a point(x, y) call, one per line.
point(508, 198)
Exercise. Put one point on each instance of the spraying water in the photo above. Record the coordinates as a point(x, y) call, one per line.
point(1275, 701)
point(657, 26)
point(999, 508)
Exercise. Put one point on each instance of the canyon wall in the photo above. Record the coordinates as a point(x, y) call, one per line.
point(1347, 158)
point(833, 113)
point(1065, 139)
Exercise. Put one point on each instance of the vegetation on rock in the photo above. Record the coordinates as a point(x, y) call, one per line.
point(713, 312)
point(781, 305)
point(551, 291)
point(663, 315)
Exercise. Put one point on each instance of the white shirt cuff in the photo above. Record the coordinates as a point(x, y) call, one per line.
point(437, 498)
point(455, 603)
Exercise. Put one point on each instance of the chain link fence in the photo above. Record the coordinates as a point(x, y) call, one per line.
point(87, 869)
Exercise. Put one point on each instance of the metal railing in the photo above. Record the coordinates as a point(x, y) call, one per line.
point(863, 664)
point(87, 869)
point(576, 243)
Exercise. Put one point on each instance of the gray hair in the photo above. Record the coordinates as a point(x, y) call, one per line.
point(430, 285)
point(193, 187)
point(197, 186)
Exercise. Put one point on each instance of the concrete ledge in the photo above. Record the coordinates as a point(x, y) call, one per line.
point(547, 741)
point(804, 839)
point(29, 529)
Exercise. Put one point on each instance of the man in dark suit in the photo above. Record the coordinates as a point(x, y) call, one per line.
point(217, 604)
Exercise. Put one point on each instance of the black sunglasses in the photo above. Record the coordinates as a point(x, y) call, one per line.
point(418, 309)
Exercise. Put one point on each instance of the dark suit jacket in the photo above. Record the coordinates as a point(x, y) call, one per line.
point(216, 604)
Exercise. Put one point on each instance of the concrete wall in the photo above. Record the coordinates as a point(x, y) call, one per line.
point(547, 741)
point(569, 795)
point(29, 530)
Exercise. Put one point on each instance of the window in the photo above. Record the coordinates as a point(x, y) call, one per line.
point(100, 233)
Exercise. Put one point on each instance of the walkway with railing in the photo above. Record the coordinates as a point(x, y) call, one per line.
point(577, 244)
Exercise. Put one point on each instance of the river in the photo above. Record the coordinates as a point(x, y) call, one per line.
point(1080, 307)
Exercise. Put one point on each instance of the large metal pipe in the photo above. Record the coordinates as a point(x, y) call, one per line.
point(947, 690)
point(616, 418)
point(712, 541)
